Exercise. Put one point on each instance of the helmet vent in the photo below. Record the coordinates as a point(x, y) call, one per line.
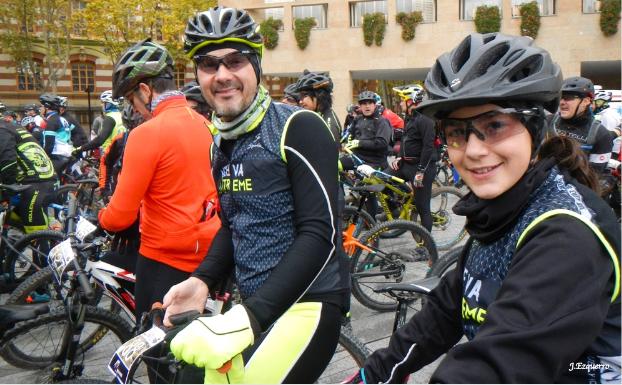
point(461, 55)
point(489, 59)
point(529, 67)
point(487, 38)
point(513, 56)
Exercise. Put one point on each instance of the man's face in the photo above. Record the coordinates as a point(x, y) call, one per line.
point(228, 90)
point(569, 103)
point(139, 98)
point(367, 107)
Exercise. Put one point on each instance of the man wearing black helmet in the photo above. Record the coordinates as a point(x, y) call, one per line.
point(57, 132)
point(536, 289)
point(290, 95)
point(576, 120)
point(164, 175)
point(276, 170)
point(314, 91)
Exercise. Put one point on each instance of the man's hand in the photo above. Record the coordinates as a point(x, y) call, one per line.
point(351, 144)
point(210, 342)
point(396, 163)
point(76, 151)
point(418, 180)
point(190, 294)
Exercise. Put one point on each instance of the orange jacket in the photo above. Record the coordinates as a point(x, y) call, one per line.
point(167, 170)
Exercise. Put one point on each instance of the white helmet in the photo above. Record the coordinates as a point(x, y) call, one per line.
point(106, 97)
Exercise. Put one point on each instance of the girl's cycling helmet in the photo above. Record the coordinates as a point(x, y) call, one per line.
point(106, 97)
point(412, 92)
point(310, 81)
point(142, 61)
point(603, 95)
point(220, 25)
point(50, 101)
point(192, 91)
point(492, 67)
point(27, 121)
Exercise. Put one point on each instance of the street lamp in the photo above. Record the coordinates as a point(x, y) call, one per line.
point(88, 91)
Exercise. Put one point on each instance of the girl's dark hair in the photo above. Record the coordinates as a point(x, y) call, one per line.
point(569, 156)
point(324, 100)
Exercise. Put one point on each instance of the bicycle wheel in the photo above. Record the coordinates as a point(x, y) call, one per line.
point(349, 356)
point(39, 343)
point(446, 263)
point(379, 261)
point(444, 176)
point(447, 227)
point(365, 220)
point(30, 253)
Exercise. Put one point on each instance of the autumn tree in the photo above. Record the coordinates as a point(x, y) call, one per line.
point(120, 23)
point(45, 24)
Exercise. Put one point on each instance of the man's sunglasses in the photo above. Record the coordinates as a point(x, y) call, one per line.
point(490, 127)
point(570, 97)
point(233, 61)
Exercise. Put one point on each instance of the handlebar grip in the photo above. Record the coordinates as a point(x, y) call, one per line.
point(157, 314)
point(83, 280)
point(398, 180)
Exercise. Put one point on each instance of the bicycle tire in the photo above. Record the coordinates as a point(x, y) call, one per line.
point(349, 356)
point(24, 357)
point(366, 221)
point(445, 263)
point(386, 261)
point(448, 229)
point(33, 248)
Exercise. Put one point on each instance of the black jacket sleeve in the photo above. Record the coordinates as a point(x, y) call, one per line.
point(428, 151)
point(78, 136)
point(312, 167)
point(548, 311)
point(107, 127)
point(601, 152)
point(8, 157)
point(52, 124)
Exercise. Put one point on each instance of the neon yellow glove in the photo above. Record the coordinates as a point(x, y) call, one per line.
point(352, 144)
point(235, 375)
point(209, 342)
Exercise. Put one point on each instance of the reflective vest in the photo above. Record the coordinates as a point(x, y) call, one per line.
point(118, 128)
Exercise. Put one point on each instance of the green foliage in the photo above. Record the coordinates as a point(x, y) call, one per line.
point(269, 29)
point(373, 28)
point(609, 16)
point(302, 31)
point(409, 22)
point(530, 19)
point(487, 19)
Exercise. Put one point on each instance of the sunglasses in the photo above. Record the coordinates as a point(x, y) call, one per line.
point(233, 61)
point(490, 127)
point(570, 97)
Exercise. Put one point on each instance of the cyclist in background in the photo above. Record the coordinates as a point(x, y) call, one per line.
point(78, 135)
point(23, 160)
point(416, 160)
point(57, 132)
point(165, 174)
point(315, 90)
point(397, 123)
point(10, 117)
point(608, 117)
point(33, 111)
point(195, 99)
point(30, 125)
point(575, 120)
point(536, 290)
point(276, 169)
point(112, 126)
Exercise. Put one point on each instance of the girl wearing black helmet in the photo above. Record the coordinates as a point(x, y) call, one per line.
point(314, 90)
point(536, 289)
point(195, 99)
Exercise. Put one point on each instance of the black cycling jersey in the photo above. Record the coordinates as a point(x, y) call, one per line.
point(107, 126)
point(418, 141)
point(22, 160)
point(374, 134)
point(78, 136)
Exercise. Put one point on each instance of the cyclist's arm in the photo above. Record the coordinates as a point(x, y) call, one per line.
point(549, 309)
point(312, 168)
point(601, 152)
point(429, 333)
point(382, 138)
point(53, 124)
point(8, 157)
point(140, 160)
point(428, 151)
point(105, 131)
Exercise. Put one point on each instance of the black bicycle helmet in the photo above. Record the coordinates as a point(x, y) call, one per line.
point(219, 25)
point(142, 61)
point(50, 101)
point(313, 81)
point(492, 67)
point(367, 95)
point(30, 107)
point(579, 85)
point(290, 91)
point(130, 118)
point(192, 91)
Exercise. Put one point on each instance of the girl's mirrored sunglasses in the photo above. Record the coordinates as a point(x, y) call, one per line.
point(233, 61)
point(490, 127)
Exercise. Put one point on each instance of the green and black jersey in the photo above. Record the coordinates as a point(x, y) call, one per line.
point(22, 159)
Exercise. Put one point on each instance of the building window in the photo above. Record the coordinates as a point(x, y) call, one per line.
point(29, 78)
point(82, 75)
point(361, 8)
point(426, 7)
point(591, 6)
point(180, 75)
point(316, 11)
point(260, 15)
point(468, 7)
point(79, 28)
point(547, 7)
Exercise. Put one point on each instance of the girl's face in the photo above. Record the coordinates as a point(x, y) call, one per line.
point(308, 102)
point(492, 165)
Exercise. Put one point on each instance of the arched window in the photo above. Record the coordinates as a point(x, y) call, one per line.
point(29, 75)
point(82, 75)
